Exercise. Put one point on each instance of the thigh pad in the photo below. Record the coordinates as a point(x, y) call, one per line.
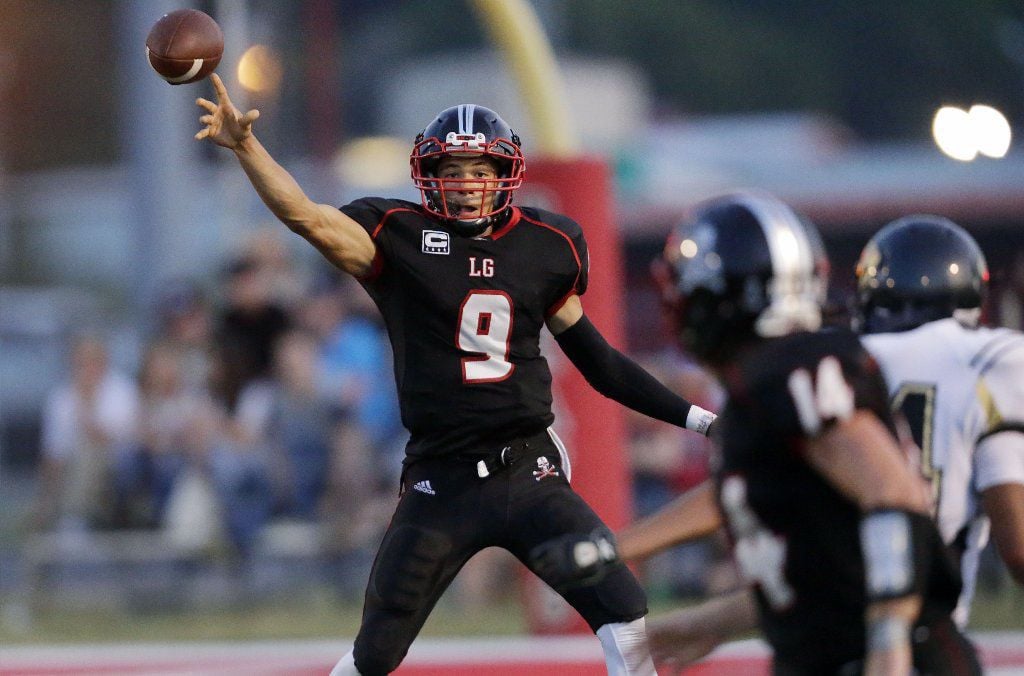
point(410, 563)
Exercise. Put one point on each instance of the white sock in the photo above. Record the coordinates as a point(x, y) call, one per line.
point(625, 649)
point(346, 666)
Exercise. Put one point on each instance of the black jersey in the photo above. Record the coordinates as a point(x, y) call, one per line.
point(795, 537)
point(464, 316)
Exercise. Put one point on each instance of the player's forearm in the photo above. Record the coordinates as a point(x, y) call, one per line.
point(861, 459)
point(730, 615)
point(888, 624)
point(618, 377)
point(277, 188)
point(688, 634)
point(692, 515)
point(1004, 506)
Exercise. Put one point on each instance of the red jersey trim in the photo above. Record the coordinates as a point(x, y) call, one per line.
point(513, 220)
point(551, 311)
point(568, 239)
point(377, 265)
point(387, 214)
point(576, 256)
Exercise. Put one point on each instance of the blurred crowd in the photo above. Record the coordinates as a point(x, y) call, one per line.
point(269, 400)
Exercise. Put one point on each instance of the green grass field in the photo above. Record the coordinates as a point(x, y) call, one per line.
point(318, 617)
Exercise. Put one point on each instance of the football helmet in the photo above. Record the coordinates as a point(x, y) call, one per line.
point(467, 129)
point(918, 269)
point(744, 266)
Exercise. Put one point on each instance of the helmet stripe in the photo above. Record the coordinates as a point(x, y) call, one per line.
point(795, 293)
point(788, 244)
point(466, 113)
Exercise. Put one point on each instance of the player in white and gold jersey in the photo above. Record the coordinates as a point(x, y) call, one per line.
point(921, 282)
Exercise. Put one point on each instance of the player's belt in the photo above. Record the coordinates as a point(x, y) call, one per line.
point(492, 462)
point(487, 466)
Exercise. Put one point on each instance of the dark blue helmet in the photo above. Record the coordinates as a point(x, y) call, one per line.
point(467, 129)
point(919, 269)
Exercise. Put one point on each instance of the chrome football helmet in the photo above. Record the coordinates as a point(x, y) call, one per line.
point(744, 266)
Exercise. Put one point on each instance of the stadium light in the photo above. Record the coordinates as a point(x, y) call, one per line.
point(991, 131)
point(259, 70)
point(951, 129)
point(964, 134)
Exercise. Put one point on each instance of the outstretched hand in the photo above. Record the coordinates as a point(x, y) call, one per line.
point(224, 124)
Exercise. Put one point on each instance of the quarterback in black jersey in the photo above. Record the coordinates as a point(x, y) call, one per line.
point(828, 519)
point(465, 282)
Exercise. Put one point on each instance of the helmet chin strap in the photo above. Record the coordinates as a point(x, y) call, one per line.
point(470, 228)
point(475, 226)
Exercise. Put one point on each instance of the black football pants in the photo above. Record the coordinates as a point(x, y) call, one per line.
point(446, 514)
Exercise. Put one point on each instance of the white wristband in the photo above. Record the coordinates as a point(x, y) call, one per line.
point(699, 420)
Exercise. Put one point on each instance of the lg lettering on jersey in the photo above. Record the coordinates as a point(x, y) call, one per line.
point(435, 242)
point(486, 268)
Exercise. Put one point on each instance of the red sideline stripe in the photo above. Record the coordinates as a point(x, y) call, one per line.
point(579, 656)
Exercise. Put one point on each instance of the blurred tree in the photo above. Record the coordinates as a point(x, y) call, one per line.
point(881, 67)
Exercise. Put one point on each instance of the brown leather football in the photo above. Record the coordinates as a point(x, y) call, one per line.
point(184, 46)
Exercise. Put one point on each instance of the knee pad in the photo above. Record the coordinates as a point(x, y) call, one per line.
point(616, 598)
point(622, 595)
point(410, 562)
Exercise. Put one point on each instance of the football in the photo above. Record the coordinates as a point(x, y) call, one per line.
point(184, 46)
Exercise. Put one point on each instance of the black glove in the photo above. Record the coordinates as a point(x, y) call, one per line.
point(575, 560)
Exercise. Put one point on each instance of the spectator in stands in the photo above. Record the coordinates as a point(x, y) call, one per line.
point(86, 422)
point(248, 325)
point(289, 412)
point(184, 321)
point(175, 428)
point(240, 474)
point(355, 370)
point(268, 251)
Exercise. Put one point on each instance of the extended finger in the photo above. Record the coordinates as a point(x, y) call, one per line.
point(210, 106)
point(250, 117)
point(206, 119)
point(203, 133)
point(222, 92)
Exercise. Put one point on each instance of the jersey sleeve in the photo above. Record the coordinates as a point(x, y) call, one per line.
point(1000, 389)
point(999, 456)
point(371, 213)
point(999, 459)
point(580, 243)
point(572, 258)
